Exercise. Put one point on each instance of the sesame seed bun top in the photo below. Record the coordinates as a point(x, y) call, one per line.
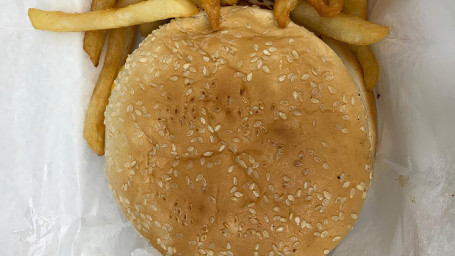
point(249, 140)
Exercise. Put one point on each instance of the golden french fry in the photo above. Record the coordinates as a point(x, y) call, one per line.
point(125, 3)
point(332, 8)
point(229, 2)
point(357, 8)
point(213, 9)
point(147, 28)
point(120, 44)
point(198, 3)
point(281, 11)
point(367, 60)
point(369, 65)
point(94, 40)
point(135, 14)
point(343, 27)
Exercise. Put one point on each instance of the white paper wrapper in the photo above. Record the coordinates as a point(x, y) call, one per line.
point(54, 196)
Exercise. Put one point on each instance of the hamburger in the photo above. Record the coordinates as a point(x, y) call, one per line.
point(248, 140)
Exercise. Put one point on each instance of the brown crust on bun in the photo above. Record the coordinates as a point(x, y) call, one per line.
point(249, 140)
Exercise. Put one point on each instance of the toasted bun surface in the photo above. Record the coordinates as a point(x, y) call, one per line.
point(250, 140)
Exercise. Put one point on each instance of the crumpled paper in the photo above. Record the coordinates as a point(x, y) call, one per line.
point(54, 196)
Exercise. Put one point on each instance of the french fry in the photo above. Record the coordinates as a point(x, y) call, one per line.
point(125, 3)
point(213, 9)
point(135, 14)
point(327, 8)
point(281, 11)
point(343, 27)
point(147, 28)
point(94, 40)
point(367, 60)
point(229, 2)
point(369, 65)
point(357, 8)
point(120, 44)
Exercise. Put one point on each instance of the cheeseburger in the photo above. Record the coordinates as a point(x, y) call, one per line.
point(248, 140)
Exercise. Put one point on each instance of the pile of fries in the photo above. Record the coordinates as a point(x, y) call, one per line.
point(343, 22)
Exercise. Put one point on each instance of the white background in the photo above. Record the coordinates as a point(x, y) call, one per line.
point(54, 198)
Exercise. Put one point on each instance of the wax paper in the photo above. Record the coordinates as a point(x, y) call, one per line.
point(54, 198)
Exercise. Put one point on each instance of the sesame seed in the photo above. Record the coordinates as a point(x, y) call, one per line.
point(354, 216)
point(249, 76)
point(255, 47)
point(297, 221)
point(327, 195)
point(259, 64)
point(272, 49)
point(174, 78)
point(266, 69)
point(324, 234)
point(360, 187)
point(289, 58)
point(346, 184)
point(325, 202)
point(282, 78)
point(352, 193)
point(243, 164)
point(257, 124)
point(314, 100)
point(282, 115)
point(326, 252)
point(337, 238)
point(295, 55)
point(305, 77)
point(329, 78)
point(238, 194)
